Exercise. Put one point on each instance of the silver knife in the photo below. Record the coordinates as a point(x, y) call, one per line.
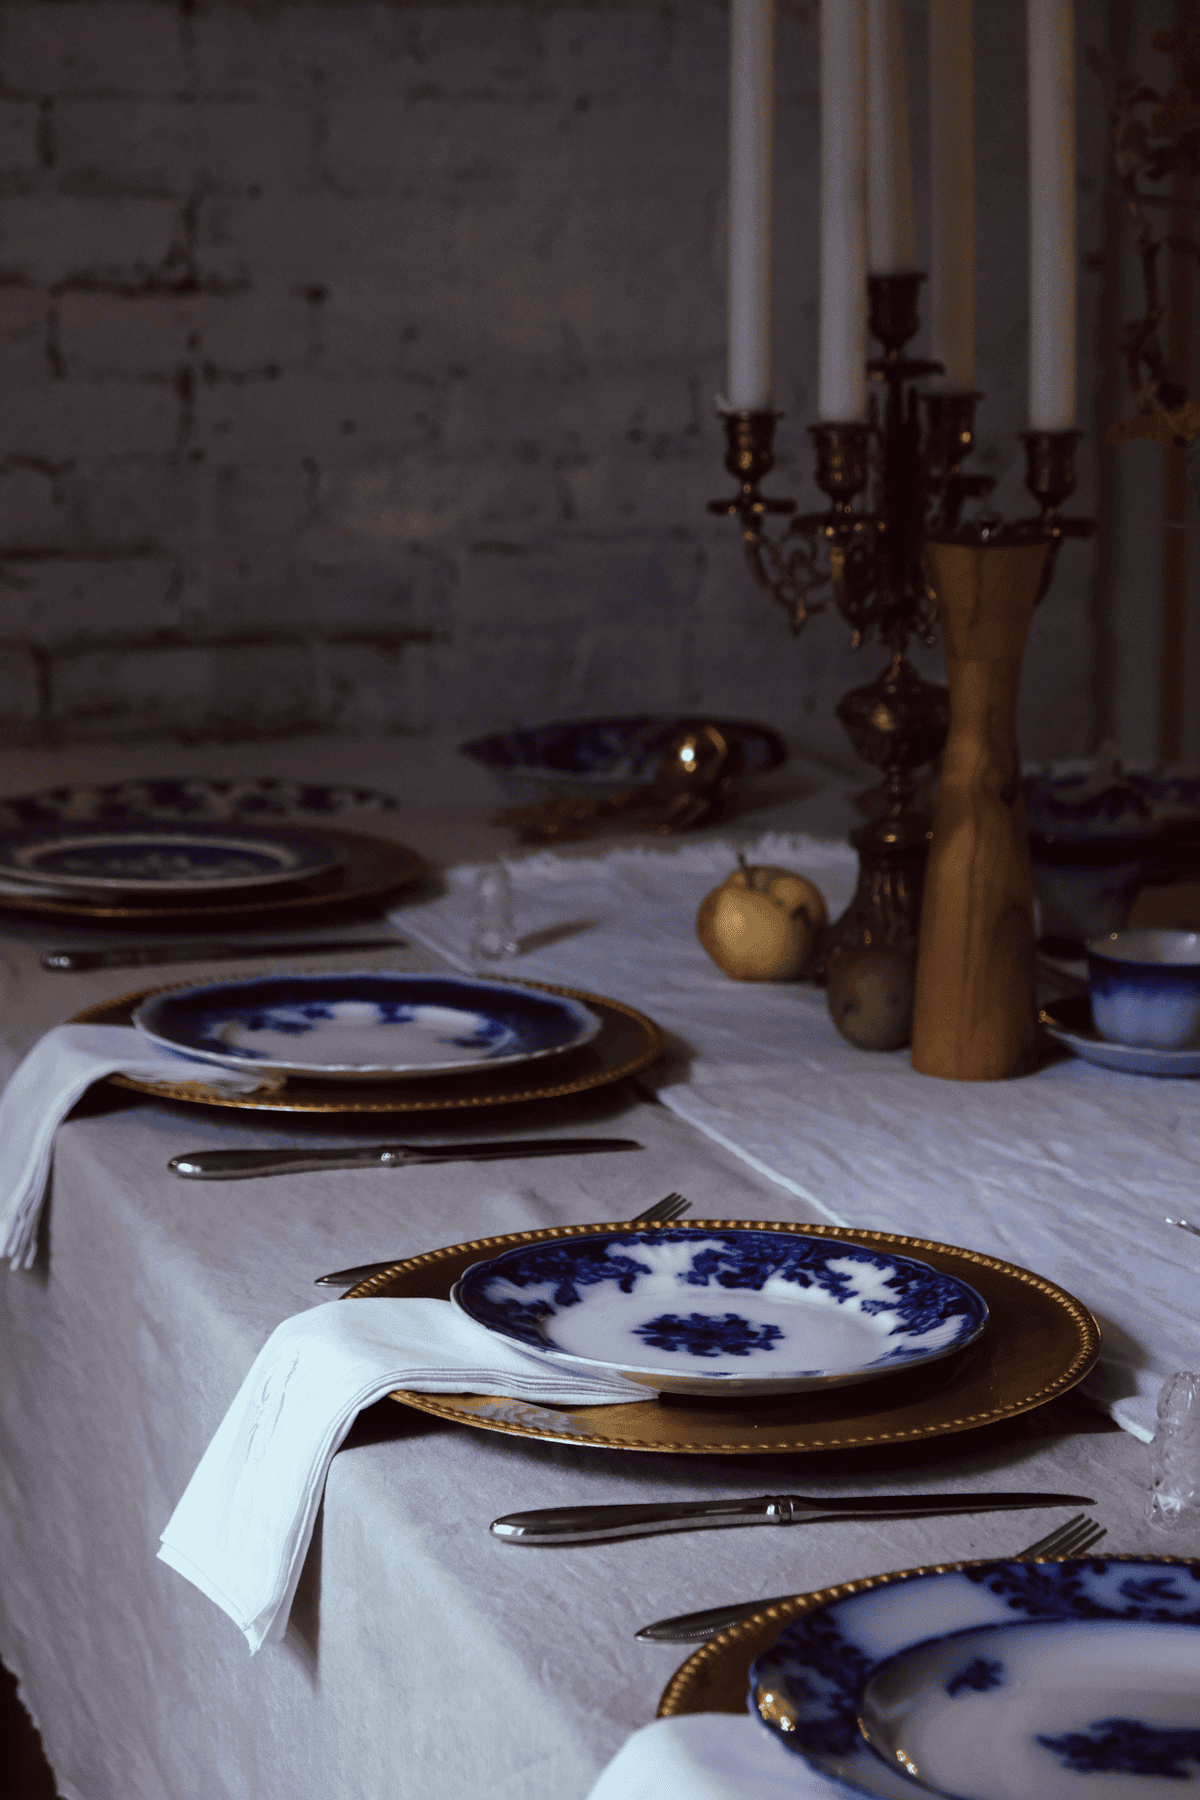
point(693, 1628)
point(234, 1165)
point(133, 956)
point(598, 1524)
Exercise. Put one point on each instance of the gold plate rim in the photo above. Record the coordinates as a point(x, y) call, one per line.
point(626, 1427)
point(726, 1658)
point(374, 866)
point(385, 1098)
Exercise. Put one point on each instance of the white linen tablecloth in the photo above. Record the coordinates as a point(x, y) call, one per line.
point(422, 1656)
point(1070, 1172)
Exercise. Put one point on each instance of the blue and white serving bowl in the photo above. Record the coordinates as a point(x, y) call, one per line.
point(726, 1312)
point(1145, 988)
point(997, 1681)
point(365, 1026)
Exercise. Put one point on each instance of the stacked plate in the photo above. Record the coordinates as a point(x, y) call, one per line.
point(151, 861)
point(993, 1681)
point(164, 849)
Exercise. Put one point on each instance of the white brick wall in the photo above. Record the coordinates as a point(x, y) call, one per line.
point(357, 361)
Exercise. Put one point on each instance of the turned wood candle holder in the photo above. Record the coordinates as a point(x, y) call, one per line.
point(974, 1016)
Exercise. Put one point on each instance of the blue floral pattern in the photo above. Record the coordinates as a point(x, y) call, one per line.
point(1127, 1747)
point(921, 1298)
point(190, 798)
point(980, 1674)
point(703, 1334)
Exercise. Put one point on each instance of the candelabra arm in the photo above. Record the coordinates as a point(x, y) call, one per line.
point(1050, 478)
point(789, 577)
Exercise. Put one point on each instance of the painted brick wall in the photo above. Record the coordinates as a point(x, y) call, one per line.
point(357, 364)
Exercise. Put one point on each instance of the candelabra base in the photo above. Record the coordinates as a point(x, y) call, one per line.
point(886, 908)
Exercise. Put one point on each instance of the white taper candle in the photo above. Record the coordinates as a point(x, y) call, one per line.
point(892, 231)
point(841, 385)
point(952, 172)
point(1051, 52)
point(751, 122)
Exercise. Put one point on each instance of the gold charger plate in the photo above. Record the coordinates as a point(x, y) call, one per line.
point(626, 1043)
point(1039, 1341)
point(716, 1678)
point(373, 867)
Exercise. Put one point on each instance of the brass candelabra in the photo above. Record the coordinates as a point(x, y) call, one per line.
point(909, 455)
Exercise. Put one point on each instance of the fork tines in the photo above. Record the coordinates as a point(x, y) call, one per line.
point(672, 1206)
point(1071, 1539)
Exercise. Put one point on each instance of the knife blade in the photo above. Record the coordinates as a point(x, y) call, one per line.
point(134, 956)
point(237, 1165)
point(693, 1628)
point(599, 1524)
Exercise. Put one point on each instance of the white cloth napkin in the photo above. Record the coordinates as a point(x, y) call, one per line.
point(41, 1092)
point(242, 1528)
point(709, 1756)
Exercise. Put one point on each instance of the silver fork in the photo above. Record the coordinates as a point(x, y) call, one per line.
point(1071, 1539)
point(671, 1206)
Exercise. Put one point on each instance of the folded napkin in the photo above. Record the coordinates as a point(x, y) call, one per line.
point(710, 1756)
point(243, 1526)
point(41, 1092)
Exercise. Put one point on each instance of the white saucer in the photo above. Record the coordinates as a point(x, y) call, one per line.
point(1069, 1022)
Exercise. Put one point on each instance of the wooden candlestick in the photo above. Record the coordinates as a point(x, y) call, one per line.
point(974, 1010)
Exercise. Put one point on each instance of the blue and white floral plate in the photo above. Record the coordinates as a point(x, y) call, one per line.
point(156, 859)
point(365, 1026)
point(997, 1681)
point(737, 1312)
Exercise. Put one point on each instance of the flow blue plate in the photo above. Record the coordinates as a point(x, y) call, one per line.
point(998, 1681)
point(152, 859)
point(367, 1026)
point(187, 799)
point(722, 1312)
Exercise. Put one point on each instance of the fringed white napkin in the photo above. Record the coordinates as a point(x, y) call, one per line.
point(41, 1092)
point(242, 1528)
point(709, 1756)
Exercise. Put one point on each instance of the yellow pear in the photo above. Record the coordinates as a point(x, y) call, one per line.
point(871, 996)
point(761, 924)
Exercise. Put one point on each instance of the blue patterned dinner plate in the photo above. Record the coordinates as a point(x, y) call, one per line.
point(730, 1312)
point(156, 858)
point(365, 1026)
point(997, 1681)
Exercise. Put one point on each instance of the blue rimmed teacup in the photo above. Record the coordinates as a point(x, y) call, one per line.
point(1146, 988)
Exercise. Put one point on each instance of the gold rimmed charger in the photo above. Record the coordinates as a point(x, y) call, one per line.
point(1039, 1342)
point(716, 1677)
point(373, 867)
point(626, 1043)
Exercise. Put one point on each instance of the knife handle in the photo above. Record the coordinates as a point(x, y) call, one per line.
point(599, 1524)
point(232, 1165)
